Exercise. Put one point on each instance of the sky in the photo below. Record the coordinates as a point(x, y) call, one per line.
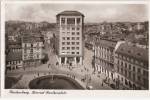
point(92, 12)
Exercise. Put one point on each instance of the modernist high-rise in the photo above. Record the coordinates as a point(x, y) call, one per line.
point(70, 46)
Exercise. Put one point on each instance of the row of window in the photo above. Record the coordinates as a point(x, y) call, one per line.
point(70, 28)
point(70, 43)
point(72, 33)
point(31, 45)
point(130, 60)
point(130, 67)
point(71, 38)
point(14, 62)
point(68, 48)
point(70, 20)
point(70, 52)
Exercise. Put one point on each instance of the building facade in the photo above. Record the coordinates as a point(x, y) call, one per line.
point(32, 50)
point(104, 57)
point(131, 64)
point(14, 60)
point(70, 45)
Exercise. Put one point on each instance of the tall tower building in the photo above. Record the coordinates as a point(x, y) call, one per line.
point(70, 45)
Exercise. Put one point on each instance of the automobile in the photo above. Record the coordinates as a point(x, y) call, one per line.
point(89, 87)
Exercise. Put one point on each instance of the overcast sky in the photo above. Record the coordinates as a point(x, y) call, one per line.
point(92, 12)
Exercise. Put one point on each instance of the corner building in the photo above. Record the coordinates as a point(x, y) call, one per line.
point(70, 45)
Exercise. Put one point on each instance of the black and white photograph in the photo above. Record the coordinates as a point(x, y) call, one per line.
point(76, 46)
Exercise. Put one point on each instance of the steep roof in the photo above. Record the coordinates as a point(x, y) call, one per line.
point(14, 56)
point(133, 51)
point(68, 13)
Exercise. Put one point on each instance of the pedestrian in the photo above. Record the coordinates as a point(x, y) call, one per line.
point(102, 83)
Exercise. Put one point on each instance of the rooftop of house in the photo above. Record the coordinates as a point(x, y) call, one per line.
point(133, 51)
point(26, 38)
point(106, 43)
point(14, 56)
point(68, 13)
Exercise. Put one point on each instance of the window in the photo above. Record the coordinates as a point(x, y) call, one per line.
point(78, 28)
point(77, 43)
point(125, 65)
point(133, 68)
point(68, 48)
point(68, 32)
point(125, 73)
point(70, 20)
point(121, 70)
point(68, 43)
point(73, 48)
point(133, 76)
point(68, 38)
point(73, 33)
point(73, 38)
point(77, 52)
point(63, 43)
point(139, 78)
point(129, 74)
point(62, 20)
point(78, 20)
point(78, 33)
point(145, 73)
point(139, 70)
point(77, 48)
point(129, 67)
point(63, 38)
point(63, 48)
point(78, 38)
point(73, 43)
point(73, 52)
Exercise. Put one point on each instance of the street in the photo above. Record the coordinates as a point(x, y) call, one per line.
point(80, 72)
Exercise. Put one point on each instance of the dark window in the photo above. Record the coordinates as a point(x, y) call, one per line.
point(77, 48)
point(78, 33)
point(68, 43)
point(78, 38)
point(63, 43)
point(68, 38)
point(63, 38)
point(77, 52)
point(73, 38)
point(78, 28)
point(78, 20)
point(129, 67)
point(139, 70)
point(62, 20)
point(70, 20)
point(73, 43)
point(63, 48)
point(73, 33)
point(73, 52)
point(68, 48)
point(133, 68)
point(77, 43)
point(73, 48)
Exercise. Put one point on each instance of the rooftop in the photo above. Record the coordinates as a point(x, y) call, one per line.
point(31, 38)
point(68, 13)
point(133, 51)
point(14, 56)
point(106, 43)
